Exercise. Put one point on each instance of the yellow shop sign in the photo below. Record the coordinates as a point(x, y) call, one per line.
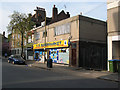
point(55, 44)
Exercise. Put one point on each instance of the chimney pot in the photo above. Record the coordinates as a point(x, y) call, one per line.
point(80, 13)
point(54, 6)
point(68, 14)
point(4, 33)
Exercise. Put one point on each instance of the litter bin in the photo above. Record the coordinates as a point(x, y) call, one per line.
point(112, 66)
point(49, 63)
point(118, 65)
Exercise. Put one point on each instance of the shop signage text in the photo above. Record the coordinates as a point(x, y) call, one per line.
point(55, 44)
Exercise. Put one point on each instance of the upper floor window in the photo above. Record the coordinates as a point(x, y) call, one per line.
point(13, 44)
point(18, 43)
point(29, 39)
point(25, 33)
point(37, 34)
point(43, 23)
point(62, 29)
point(25, 42)
point(15, 36)
point(44, 33)
point(32, 37)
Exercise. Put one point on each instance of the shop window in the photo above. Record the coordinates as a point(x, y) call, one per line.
point(17, 51)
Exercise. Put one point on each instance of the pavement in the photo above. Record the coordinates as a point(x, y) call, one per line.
point(104, 75)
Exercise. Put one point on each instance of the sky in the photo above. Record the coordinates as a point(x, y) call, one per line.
point(92, 8)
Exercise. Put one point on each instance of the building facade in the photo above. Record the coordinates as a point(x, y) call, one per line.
point(16, 42)
point(113, 24)
point(29, 45)
point(5, 45)
point(78, 41)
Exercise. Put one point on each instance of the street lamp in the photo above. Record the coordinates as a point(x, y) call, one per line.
point(45, 38)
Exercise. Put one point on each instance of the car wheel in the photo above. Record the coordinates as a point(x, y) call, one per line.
point(13, 62)
point(8, 61)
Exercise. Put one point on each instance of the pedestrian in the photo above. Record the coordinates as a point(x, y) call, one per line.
point(5, 55)
point(45, 59)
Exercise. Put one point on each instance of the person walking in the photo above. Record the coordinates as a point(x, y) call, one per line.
point(5, 55)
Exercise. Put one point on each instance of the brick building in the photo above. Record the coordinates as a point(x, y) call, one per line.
point(5, 45)
point(39, 16)
point(16, 42)
point(39, 19)
point(78, 41)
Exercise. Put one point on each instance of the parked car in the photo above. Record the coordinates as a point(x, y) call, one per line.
point(16, 59)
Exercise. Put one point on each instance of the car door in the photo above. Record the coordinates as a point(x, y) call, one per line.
point(12, 59)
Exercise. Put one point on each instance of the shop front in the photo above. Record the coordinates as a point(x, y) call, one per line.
point(39, 55)
point(58, 51)
point(59, 55)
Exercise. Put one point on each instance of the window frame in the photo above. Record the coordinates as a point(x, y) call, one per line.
point(62, 29)
point(44, 34)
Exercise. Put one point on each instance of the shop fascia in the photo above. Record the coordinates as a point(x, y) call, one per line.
point(55, 44)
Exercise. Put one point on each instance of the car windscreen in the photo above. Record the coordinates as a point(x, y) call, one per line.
point(16, 56)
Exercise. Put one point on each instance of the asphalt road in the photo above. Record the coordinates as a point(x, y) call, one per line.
point(22, 76)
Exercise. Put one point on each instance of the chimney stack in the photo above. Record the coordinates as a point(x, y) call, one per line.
point(4, 33)
point(54, 13)
point(68, 14)
point(80, 13)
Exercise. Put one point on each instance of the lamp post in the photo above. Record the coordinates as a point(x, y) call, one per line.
point(45, 39)
point(43, 10)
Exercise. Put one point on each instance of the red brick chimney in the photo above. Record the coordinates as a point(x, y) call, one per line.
point(54, 13)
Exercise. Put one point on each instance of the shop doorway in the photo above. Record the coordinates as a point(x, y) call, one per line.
point(73, 57)
point(116, 49)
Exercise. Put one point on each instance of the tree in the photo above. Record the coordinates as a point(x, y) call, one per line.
point(20, 23)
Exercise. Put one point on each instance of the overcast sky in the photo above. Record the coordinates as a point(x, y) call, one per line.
point(92, 8)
